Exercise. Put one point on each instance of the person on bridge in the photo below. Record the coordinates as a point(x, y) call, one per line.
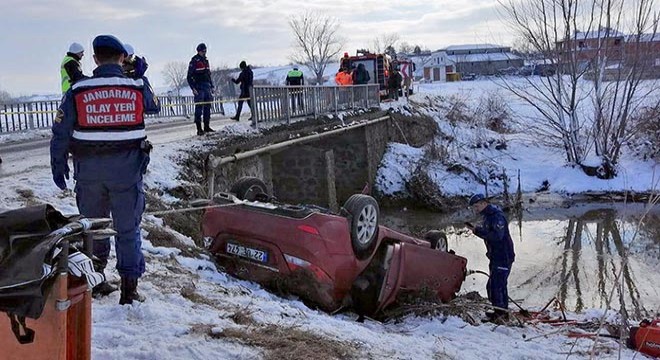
point(71, 70)
point(394, 84)
point(245, 78)
point(361, 75)
point(295, 77)
point(201, 84)
point(344, 77)
point(101, 122)
point(499, 249)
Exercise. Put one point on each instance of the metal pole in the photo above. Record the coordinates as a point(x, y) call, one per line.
point(315, 94)
point(242, 155)
point(287, 105)
point(253, 106)
point(30, 116)
point(334, 93)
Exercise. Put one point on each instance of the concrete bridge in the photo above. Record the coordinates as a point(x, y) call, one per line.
point(323, 169)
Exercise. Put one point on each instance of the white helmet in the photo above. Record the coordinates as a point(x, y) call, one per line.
point(76, 48)
point(129, 49)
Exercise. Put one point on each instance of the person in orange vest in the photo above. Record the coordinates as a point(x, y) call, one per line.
point(344, 77)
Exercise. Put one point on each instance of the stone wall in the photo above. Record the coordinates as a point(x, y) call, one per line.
point(304, 174)
point(325, 172)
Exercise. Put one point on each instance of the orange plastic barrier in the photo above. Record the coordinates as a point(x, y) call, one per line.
point(63, 332)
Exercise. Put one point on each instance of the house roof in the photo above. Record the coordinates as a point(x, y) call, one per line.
point(644, 37)
point(599, 34)
point(483, 57)
point(472, 47)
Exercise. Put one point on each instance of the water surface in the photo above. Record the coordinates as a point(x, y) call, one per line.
point(575, 254)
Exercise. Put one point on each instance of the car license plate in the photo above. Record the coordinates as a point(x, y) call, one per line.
point(246, 252)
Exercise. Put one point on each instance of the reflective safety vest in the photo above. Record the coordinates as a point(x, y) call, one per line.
point(294, 77)
point(110, 112)
point(66, 80)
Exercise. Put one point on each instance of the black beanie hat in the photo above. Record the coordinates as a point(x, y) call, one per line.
point(201, 47)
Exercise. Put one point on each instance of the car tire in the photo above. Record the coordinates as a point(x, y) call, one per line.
point(364, 215)
point(438, 240)
point(248, 188)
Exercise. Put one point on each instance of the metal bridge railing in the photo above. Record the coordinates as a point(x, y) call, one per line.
point(277, 103)
point(268, 103)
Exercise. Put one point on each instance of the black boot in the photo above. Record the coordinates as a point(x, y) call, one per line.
point(207, 127)
point(200, 132)
point(129, 291)
point(103, 289)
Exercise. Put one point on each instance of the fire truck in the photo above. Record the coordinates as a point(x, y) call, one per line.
point(378, 66)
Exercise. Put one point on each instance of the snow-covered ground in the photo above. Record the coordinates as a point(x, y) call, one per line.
point(193, 311)
point(524, 152)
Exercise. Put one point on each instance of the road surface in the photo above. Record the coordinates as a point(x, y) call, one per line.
point(23, 157)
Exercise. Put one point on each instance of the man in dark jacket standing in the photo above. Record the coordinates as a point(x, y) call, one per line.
point(71, 71)
point(499, 250)
point(361, 75)
point(394, 84)
point(201, 84)
point(295, 77)
point(101, 122)
point(245, 79)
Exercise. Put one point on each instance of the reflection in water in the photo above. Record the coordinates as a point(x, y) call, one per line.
point(577, 255)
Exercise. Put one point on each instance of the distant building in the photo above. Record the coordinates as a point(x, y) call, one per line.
point(482, 59)
point(432, 66)
point(584, 47)
point(617, 50)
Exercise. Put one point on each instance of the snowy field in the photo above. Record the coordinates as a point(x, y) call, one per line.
point(537, 163)
point(193, 311)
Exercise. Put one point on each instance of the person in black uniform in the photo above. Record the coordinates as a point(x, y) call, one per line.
point(199, 80)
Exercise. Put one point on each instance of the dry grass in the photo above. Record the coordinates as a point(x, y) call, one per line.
point(160, 236)
point(290, 343)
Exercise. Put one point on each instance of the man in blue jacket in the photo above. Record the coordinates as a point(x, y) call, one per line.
point(201, 84)
point(101, 123)
point(499, 250)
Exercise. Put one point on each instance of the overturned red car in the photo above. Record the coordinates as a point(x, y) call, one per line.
point(331, 260)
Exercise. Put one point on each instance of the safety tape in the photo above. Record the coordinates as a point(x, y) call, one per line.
point(166, 106)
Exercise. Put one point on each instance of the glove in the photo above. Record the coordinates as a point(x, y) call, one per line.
point(60, 173)
point(140, 67)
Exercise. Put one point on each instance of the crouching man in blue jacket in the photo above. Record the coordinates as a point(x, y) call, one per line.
point(499, 250)
point(101, 123)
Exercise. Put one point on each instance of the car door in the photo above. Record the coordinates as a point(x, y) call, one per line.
point(410, 268)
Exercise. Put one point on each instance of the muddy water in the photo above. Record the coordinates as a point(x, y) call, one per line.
point(575, 254)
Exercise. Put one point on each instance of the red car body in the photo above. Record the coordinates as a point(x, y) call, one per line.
point(308, 251)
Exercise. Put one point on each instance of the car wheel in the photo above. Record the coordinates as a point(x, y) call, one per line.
point(248, 188)
point(364, 217)
point(438, 240)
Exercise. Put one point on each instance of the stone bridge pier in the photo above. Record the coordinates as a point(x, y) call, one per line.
point(323, 169)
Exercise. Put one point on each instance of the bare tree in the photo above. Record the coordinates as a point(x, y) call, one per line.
point(406, 47)
point(175, 74)
point(580, 40)
point(316, 41)
point(5, 98)
point(384, 41)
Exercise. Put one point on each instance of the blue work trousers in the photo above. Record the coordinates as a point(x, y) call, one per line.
point(203, 110)
point(497, 285)
point(126, 202)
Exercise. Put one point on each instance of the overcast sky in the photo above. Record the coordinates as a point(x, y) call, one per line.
point(36, 33)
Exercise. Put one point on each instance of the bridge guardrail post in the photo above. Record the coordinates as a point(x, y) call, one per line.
point(287, 105)
point(315, 96)
point(253, 106)
point(334, 98)
point(30, 109)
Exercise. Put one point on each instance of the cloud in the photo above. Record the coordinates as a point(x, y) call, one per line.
point(39, 31)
